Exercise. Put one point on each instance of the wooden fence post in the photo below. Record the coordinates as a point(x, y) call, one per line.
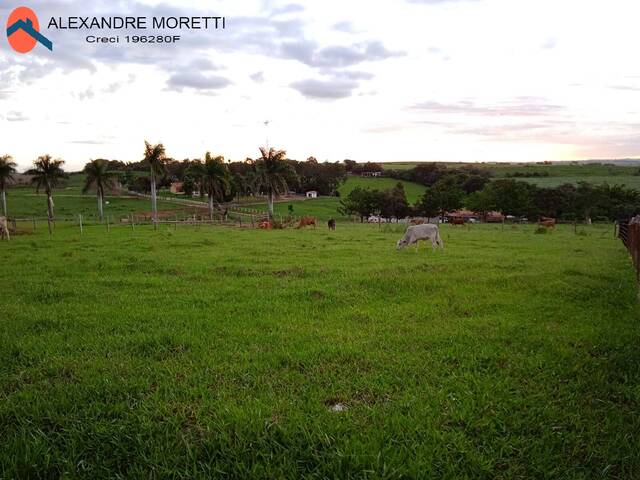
point(80, 219)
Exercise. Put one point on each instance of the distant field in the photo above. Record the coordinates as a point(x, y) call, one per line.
point(25, 203)
point(413, 190)
point(630, 181)
point(567, 169)
point(558, 174)
point(400, 165)
point(327, 207)
point(217, 352)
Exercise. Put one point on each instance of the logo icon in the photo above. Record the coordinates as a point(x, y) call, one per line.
point(23, 31)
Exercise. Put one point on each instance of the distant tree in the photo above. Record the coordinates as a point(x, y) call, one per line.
point(474, 183)
point(188, 185)
point(324, 177)
point(395, 203)
point(7, 169)
point(350, 165)
point(128, 178)
point(272, 174)
point(514, 198)
point(482, 201)
point(362, 202)
point(445, 195)
point(47, 173)
point(154, 157)
point(216, 180)
point(558, 202)
point(141, 184)
point(99, 177)
point(587, 199)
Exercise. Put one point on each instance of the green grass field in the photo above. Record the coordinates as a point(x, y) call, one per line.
point(217, 352)
point(558, 174)
point(630, 181)
point(24, 203)
point(413, 190)
point(325, 208)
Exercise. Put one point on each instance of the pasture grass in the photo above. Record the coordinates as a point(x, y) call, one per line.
point(630, 181)
point(215, 352)
point(22, 203)
point(413, 190)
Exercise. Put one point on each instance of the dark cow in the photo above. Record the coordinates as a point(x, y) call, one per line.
point(331, 224)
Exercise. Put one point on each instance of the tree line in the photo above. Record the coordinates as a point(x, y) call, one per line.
point(450, 192)
point(272, 174)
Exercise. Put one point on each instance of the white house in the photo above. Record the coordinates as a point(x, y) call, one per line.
point(312, 194)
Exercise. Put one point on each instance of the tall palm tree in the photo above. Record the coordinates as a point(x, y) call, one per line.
point(46, 174)
point(98, 176)
point(154, 155)
point(272, 173)
point(215, 180)
point(7, 169)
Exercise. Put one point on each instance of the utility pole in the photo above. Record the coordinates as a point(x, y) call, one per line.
point(266, 125)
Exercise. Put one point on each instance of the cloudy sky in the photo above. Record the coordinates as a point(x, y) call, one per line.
point(384, 80)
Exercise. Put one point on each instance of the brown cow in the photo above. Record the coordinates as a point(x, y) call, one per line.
point(4, 228)
point(331, 224)
point(417, 221)
point(306, 221)
point(457, 221)
point(265, 225)
point(547, 222)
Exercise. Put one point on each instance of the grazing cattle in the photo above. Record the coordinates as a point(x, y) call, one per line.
point(307, 221)
point(4, 228)
point(457, 221)
point(265, 225)
point(424, 232)
point(331, 224)
point(547, 222)
point(417, 221)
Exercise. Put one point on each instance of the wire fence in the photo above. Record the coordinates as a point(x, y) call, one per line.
point(186, 217)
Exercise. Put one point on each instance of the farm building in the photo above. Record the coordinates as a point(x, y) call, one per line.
point(311, 194)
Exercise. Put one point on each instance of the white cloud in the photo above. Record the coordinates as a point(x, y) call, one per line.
point(384, 80)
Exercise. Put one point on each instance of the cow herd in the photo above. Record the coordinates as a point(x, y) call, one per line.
point(416, 231)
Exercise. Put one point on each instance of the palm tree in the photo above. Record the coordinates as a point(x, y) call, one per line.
point(154, 155)
point(7, 169)
point(215, 180)
point(272, 174)
point(46, 174)
point(98, 176)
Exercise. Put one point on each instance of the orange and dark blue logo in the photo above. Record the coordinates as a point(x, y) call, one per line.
point(23, 31)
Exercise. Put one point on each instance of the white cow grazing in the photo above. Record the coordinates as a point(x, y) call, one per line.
point(426, 231)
